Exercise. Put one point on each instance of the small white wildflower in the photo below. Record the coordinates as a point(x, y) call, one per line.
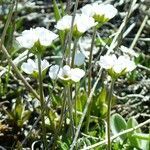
point(79, 58)
point(64, 23)
point(82, 23)
point(29, 37)
point(77, 74)
point(88, 10)
point(100, 12)
point(117, 65)
point(108, 11)
point(31, 67)
point(107, 61)
point(66, 73)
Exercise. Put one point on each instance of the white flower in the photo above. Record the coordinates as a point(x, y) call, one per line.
point(79, 58)
point(31, 66)
point(98, 11)
point(64, 23)
point(66, 73)
point(88, 10)
point(77, 74)
point(125, 62)
point(82, 23)
point(108, 11)
point(118, 65)
point(30, 37)
point(27, 39)
point(107, 61)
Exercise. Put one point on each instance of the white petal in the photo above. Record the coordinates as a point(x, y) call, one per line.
point(87, 10)
point(26, 41)
point(45, 36)
point(107, 61)
point(65, 73)
point(64, 23)
point(44, 64)
point(131, 66)
point(84, 23)
point(77, 74)
point(27, 68)
point(108, 11)
point(118, 68)
point(66, 70)
point(79, 59)
point(124, 63)
point(54, 71)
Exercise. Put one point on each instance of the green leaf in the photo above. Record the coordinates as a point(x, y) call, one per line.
point(142, 136)
point(57, 14)
point(19, 109)
point(118, 124)
point(81, 101)
point(103, 110)
point(63, 145)
point(102, 96)
point(133, 141)
point(131, 124)
point(26, 115)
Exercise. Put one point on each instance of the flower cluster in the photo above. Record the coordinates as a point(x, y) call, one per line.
point(116, 66)
point(36, 39)
point(100, 12)
point(92, 14)
point(40, 35)
point(66, 73)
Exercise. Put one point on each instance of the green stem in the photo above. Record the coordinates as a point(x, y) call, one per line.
point(90, 79)
point(75, 107)
point(42, 102)
point(70, 110)
point(109, 99)
point(74, 52)
point(90, 61)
